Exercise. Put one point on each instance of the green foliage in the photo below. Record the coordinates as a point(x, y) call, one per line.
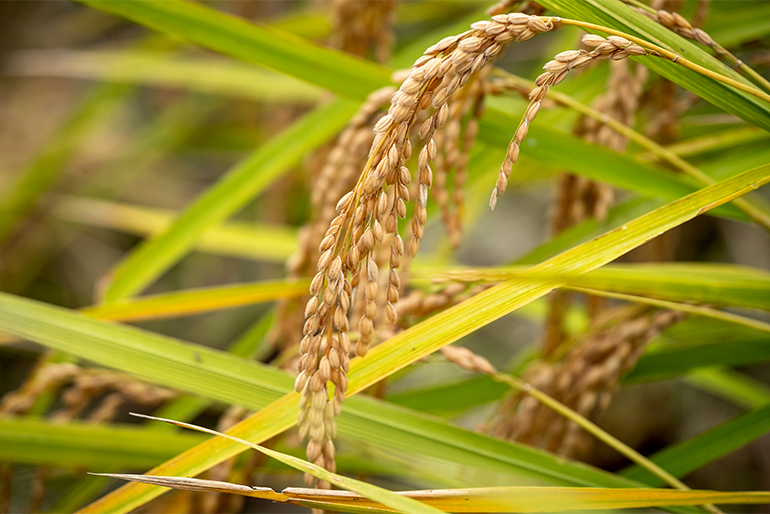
point(215, 188)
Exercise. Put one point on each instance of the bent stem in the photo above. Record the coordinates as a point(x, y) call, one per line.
point(663, 153)
point(698, 310)
point(719, 49)
point(671, 56)
point(593, 429)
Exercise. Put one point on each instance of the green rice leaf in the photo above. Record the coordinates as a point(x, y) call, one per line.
point(249, 240)
point(252, 43)
point(686, 457)
point(450, 325)
point(670, 360)
point(19, 197)
point(487, 499)
point(75, 444)
point(616, 15)
point(372, 492)
point(262, 45)
point(201, 74)
point(223, 377)
point(733, 386)
point(193, 301)
point(717, 284)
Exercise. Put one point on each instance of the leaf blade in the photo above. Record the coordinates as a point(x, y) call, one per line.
point(256, 44)
point(444, 328)
point(616, 15)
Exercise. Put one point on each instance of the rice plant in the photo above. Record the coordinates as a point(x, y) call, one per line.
point(387, 256)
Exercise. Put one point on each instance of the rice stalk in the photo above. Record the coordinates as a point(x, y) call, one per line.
point(679, 25)
point(363, 27)
point(368, 215)
point(469, 361)
point(614, 47)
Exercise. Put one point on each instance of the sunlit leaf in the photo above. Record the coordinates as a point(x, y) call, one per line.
point(257, 44)
point(186, 303)
point(715, 284)
point(371, 492)
point(490, 499)
point(452, 324)
point(206, 75)
point(619, 16)
point(258, 241)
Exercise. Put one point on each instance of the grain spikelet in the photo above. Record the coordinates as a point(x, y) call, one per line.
point(578, 198)
point(369, 213)
point(614, 47)
point(585, 380)
point(363, 27)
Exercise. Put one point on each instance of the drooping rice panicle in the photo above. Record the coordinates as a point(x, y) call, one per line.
point(613, 47)
point(371, 210)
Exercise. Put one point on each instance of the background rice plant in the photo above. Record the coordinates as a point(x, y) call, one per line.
point(162, 173)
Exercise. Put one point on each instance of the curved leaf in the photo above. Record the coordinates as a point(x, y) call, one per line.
point(256, 44)
point(452, 324)
point(257, 241)
point(718, 284)
point(78, 444)
point(371, 492)
point(616, 15)
point(488, 499)
point(202, 74)
point(690, 455)
point(193, 301)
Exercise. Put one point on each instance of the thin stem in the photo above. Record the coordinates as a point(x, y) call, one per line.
point(742, 66)
point(597, 432)
point(699, 310)
point(712, 142)
point(719, 49)
point(671, 56)
point(754, 212)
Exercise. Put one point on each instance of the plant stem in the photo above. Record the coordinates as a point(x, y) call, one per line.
point(741, 66)
point(754, 212)
point(597, 432)
point(671, 56)
point(719, 49)
point(699, 310)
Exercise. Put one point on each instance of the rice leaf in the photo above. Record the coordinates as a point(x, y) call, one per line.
point(201, 74)
point(193, 301)
point(75, 444)
point(717, 284)
point(452, 324)
point(488, 499)
point(19, 197)
point(616, 15)
point(733, 386)
point(258, 241)
point(374, 493)
point(222, 377)
point(670, 360)
point(252, 43)
point(263, 45)
point(684, 458)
